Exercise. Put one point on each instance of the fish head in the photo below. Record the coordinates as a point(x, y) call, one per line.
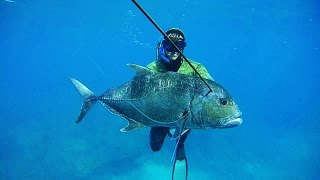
point(216, 109)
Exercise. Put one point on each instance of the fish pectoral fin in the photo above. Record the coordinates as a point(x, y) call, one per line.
point(132, 125)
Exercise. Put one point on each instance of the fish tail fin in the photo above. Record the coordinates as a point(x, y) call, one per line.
point(89, 99)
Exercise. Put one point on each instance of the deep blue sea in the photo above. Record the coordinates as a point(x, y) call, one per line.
point(266, 53)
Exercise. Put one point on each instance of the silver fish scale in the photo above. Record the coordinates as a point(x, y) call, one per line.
point(152, 95)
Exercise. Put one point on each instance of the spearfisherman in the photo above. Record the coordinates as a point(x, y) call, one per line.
point(168, 59)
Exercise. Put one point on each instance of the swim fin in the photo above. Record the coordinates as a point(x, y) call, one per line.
point(180, 166)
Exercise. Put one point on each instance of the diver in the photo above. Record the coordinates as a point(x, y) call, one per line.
point(168, 59)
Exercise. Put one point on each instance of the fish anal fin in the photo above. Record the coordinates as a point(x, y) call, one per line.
point(132, 125)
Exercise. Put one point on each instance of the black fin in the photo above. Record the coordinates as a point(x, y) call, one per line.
point(180, 157)
point(180, 166)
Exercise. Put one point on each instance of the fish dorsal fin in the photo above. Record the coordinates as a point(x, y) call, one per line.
point(140, 70)
point(132, 125)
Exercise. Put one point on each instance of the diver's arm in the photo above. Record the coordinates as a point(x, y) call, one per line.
point(152, 66)
point(203, 72)
point(200, 69)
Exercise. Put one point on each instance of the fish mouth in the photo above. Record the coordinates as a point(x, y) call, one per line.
point(231, 122)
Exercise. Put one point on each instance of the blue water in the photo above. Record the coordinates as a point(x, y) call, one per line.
point(266, 53)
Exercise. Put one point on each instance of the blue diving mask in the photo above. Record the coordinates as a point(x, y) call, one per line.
point(165, 46)
point(181, 44)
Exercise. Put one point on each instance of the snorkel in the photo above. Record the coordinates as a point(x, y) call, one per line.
point(162, 54)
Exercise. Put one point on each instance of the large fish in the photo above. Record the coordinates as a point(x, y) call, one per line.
point(168, 99)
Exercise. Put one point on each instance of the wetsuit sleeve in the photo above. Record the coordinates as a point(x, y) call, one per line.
point(203, 72)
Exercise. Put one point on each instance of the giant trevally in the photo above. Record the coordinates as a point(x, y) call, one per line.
point(167, 99)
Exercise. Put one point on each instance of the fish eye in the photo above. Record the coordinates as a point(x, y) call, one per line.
point(223, 101)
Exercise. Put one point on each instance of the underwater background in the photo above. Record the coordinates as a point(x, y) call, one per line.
point(266, 53)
